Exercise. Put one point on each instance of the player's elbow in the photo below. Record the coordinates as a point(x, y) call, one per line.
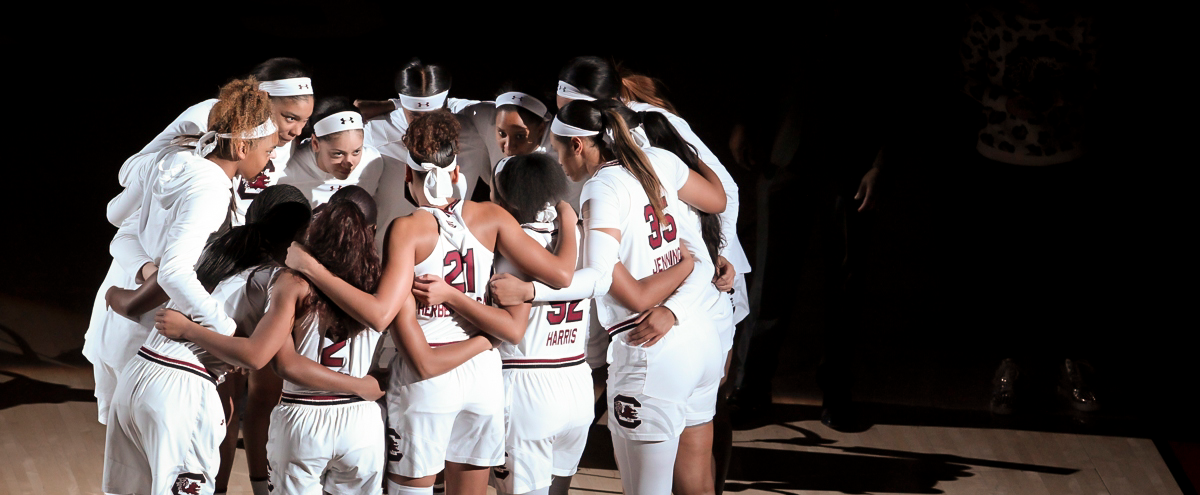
point(560, 277)
point(512, 334)
point(715, 204)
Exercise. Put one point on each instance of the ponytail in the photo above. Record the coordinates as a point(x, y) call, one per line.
point(636, 87)
point(273, 221)
point(662, 134)
point(227, 254)
point(626, 150)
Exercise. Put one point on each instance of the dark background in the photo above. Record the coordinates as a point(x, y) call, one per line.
point(89, 90)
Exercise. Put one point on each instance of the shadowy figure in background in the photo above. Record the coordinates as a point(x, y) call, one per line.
point(818, 152)
point(1030, 66)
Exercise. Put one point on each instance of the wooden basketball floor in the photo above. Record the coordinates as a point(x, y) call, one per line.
point(50, 442)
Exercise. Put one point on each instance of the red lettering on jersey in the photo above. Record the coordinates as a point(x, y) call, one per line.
point(463, 264)
point(327, 353)
point(658, 234)
point(562, 337)
point(667, 260)
point(564, 311)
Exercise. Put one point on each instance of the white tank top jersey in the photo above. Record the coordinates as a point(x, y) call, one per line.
point(352, 356)
point(245, 297)
point(464, 263)
point(318, 185)
point(647, 246)
point(556, 335)
point(718, 307)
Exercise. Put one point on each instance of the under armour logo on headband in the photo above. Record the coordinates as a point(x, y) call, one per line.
point(338, 122)
point(519, 99)
point(423, 104)
point(295, 86)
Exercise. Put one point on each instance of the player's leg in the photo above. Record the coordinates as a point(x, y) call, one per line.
point(466, 479)
point(722, 447)
point(646, 467)
point(230, 392)
point(263, 388)
point(693, 463)
point(560, 485)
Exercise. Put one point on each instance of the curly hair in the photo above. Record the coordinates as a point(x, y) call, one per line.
point(341, 239)
point(433, 137)
point(240, 107)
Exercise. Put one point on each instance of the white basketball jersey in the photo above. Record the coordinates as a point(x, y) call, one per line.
point(556, 336)
point(352, 356)
point(464, 263)
point(186, 356)
point(648, 246)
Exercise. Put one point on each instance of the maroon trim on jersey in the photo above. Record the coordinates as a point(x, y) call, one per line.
point(320, 400)
point(448, 208)
point(610, 163)
point(623, 326)
point(162, 360)
point(522, 363)
point(543, 231)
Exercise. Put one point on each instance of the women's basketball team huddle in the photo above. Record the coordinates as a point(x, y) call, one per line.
point(268, 226)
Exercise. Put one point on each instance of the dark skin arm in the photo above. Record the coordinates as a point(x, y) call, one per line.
point(269, 343)
point(134, 303)
point(641, 295)
point(431, 361)
point(298, 369)
point(507, 323)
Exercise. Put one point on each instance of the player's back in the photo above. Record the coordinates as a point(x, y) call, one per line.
point(463, 262)
point(556, 335)
point(647, 245)
point(349, 355)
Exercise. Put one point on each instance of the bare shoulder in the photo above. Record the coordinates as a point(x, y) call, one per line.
point(406, 227)
point(290, 284)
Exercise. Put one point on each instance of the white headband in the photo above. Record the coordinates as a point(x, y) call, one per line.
point(338, 122)
point(263, 130)
point(559, 128)
point(295, 86)
point(566, 90)
point(438, 188)
point(208, 142)
point(423, 103)
point(524, 101)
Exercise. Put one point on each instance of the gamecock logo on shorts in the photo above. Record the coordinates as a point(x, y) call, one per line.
point(188, 483)
point(500, 471)
point(394, 454)
point(625, 411)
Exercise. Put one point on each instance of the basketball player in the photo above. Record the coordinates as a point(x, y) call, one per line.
point(334, 156)
point(647, 416)
point(454, 240)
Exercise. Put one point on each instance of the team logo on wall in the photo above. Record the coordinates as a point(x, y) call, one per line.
point(188, 483)
point(625, 411)
point(394, 454)
point(501, 472)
